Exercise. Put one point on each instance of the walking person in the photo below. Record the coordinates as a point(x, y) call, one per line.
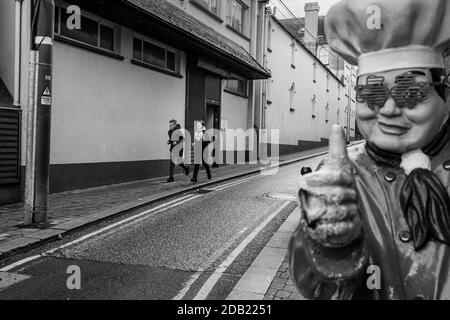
point(175, 138)
point(200, 137)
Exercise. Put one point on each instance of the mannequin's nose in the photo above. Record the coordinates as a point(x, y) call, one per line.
point(390, 109)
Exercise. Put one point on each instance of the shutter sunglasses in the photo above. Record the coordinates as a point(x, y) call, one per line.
point(407, 93)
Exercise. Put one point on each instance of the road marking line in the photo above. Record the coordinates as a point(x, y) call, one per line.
point(256, 281)
point(154, 211)
point(207, 287)
point(194, 277)
point(90, 235)
point(19, 263)
point(187, 286)
point(232, 183)
point(133, 222)
point(235, 183)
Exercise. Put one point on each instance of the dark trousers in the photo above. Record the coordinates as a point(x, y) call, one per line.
point(172, 165)
point(197, 168)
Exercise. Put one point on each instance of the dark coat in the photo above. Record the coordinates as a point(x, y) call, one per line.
point(175, 137)
point(405, 273)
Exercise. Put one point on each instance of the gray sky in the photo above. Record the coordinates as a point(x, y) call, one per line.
point(297, 6)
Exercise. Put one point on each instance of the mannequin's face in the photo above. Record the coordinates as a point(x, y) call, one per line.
point(399, 130)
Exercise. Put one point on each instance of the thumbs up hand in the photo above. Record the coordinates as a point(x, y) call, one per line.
point(328, 197)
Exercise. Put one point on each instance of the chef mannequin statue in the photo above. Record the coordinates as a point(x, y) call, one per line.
point(376, 221)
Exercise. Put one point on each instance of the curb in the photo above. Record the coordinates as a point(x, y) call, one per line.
point(34, 240)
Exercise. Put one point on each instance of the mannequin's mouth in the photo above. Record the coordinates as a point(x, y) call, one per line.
point(392, 129)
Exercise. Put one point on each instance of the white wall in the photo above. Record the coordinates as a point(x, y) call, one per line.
point(234, 111)
point(7, 45)
point(7, 22)
point(106, 110)
point(300, 124)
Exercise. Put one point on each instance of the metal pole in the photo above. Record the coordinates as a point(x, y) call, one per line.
point(31, 138)
point(42, 42)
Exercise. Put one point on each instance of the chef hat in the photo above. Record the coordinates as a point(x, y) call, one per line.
point(411, 33)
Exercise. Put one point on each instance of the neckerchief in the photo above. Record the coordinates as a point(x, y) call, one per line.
point(424, 200)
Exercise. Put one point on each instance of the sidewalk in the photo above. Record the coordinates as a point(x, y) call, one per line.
point(72, 210)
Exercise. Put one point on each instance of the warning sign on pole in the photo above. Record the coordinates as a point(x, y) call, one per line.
point(46, 101)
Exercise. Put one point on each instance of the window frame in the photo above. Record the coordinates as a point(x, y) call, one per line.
point(269, 35)
point(293, 51)
point(243, 93)
point(269, 85)
point(243, 23)
point(101, 22)
point(292, 93)
point(200, 4)
point(315, 71)
point(328, 81)
point(313, 105)
point(161, 45)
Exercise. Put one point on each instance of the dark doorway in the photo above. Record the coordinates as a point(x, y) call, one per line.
point(204, 93)
point(203, 100)
point(212, 116)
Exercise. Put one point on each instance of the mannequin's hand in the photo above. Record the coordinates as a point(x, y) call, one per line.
point(328, 197)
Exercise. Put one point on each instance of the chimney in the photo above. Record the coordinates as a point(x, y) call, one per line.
point(311, 26)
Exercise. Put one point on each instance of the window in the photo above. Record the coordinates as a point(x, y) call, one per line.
point(293, 54)
point(237, 85)
point(327, 111)
point(338, 116)
point(313, 100)
point(93, 32)
point(324, 55)
point(107, 38)
point(328, 81)
point(292, 92)
point(236, 18)
point(269, 36)
point(210, 5)
point(155, 55)
point(269, 90)
point(315, 71)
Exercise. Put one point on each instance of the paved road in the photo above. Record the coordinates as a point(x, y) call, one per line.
point(195, 246)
